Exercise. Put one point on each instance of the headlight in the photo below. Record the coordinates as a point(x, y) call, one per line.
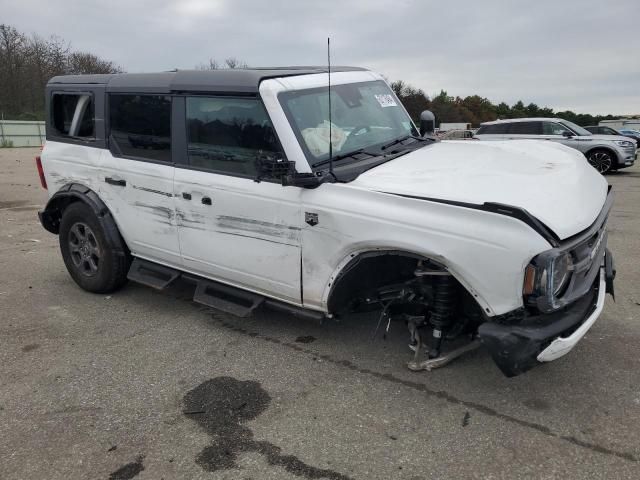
point(624, 143)
point(560, 273)
point(547, 276)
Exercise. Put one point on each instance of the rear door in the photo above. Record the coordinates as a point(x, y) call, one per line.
point(232, 228)
point(137, 175)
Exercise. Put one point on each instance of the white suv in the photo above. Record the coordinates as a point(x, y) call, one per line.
point(239, 182)
point(604, 152)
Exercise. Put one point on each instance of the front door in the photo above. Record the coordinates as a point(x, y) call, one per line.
point(136, 180)
point(231, 228)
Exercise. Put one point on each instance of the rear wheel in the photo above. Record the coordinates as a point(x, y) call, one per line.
point(601, 160)
point(88, 256)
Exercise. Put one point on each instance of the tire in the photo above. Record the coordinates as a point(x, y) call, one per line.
point(602, 160)
point(88, 256)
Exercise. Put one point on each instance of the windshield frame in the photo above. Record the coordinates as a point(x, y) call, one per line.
point(575, 128)
point(320, 162)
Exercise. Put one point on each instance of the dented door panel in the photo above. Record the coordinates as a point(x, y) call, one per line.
point(143, 207)
point(248, 236)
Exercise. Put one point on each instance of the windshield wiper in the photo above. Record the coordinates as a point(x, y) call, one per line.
point(400, 140)
point(343, 156)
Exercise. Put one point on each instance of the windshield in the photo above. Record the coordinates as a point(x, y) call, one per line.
point(363, 116)
point(576, 128)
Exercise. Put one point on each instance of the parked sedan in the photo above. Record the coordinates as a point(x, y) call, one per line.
point(599, 130)
point(632, 134)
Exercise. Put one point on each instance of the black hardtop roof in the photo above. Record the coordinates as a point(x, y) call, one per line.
point(222, 80)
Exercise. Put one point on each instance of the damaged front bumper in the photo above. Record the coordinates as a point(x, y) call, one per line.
point(547, 337)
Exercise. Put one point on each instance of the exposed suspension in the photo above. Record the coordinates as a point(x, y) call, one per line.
point(442, 312)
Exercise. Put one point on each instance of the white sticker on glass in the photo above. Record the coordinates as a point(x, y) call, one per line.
point(386, 100)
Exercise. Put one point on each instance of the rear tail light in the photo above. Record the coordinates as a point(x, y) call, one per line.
point(43, 181)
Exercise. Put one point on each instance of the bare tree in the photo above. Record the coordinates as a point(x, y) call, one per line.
point(233, 62)
point(212, 65)
point(27, 63)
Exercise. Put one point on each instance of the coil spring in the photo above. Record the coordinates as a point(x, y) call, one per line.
point(444, 299)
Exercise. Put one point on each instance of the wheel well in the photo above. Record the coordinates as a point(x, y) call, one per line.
point(369, 272)
point(71, 193)
point(606, 149)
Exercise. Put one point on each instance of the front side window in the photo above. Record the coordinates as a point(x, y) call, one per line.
point(73, 115)
point(553, 128)
point(228, 135)
point(363, 115)
point(141, 125)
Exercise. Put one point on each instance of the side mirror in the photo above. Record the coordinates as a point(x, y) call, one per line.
point(273, 168)
point(567, 134)
point(427, 123)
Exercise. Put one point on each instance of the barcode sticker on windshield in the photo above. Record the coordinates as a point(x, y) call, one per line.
point(386, 100)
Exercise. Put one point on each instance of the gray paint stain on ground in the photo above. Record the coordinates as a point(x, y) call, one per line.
point(128, 471)
point(221, 407)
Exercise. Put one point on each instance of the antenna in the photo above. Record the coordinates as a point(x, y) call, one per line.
point(330, 137)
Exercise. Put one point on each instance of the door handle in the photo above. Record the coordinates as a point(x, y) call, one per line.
point(116, 182)
point(186, 196)
point(206, 201)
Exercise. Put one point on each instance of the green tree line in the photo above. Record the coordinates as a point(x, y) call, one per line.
point(475, 109)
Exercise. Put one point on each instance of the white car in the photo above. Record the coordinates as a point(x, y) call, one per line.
point(248, 184)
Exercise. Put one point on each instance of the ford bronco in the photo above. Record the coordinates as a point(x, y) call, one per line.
point(267, 187)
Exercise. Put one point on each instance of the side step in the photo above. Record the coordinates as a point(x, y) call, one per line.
point(152, 274)
point(227, 299)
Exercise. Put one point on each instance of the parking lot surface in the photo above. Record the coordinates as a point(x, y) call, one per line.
point(148, 385)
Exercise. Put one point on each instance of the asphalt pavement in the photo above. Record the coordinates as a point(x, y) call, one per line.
point(149, 385)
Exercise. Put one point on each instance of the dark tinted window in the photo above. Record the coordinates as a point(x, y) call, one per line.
point(63, 108)
point(229, 134)
point(525, 128)
point(495, 129)
point(141, 125)
point(592, 129)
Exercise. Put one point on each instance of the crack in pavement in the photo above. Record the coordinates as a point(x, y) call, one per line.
point(440, 394)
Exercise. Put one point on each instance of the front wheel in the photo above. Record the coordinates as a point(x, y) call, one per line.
point(88, 256)
point(601, 160)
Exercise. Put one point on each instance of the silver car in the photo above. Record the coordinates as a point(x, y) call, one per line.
point(604, 152)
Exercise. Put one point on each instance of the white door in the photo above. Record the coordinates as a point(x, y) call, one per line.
point(231, 228)
point(137, 176)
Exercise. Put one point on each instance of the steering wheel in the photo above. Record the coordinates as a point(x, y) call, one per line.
point(355, 132)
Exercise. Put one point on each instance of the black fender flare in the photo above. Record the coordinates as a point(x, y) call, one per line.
point(74, 192)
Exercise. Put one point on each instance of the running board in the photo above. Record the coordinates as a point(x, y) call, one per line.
point(227, 299)
point(151, 274)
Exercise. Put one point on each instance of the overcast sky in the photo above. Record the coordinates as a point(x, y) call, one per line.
point(582, 55)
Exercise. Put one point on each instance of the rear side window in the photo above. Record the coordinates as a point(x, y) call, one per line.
point(73, 115)
point(525, 128)
point(227, 135)
point(495, 129)
point(141, 125)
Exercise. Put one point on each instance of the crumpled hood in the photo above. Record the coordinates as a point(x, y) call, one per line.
point(552, 182)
